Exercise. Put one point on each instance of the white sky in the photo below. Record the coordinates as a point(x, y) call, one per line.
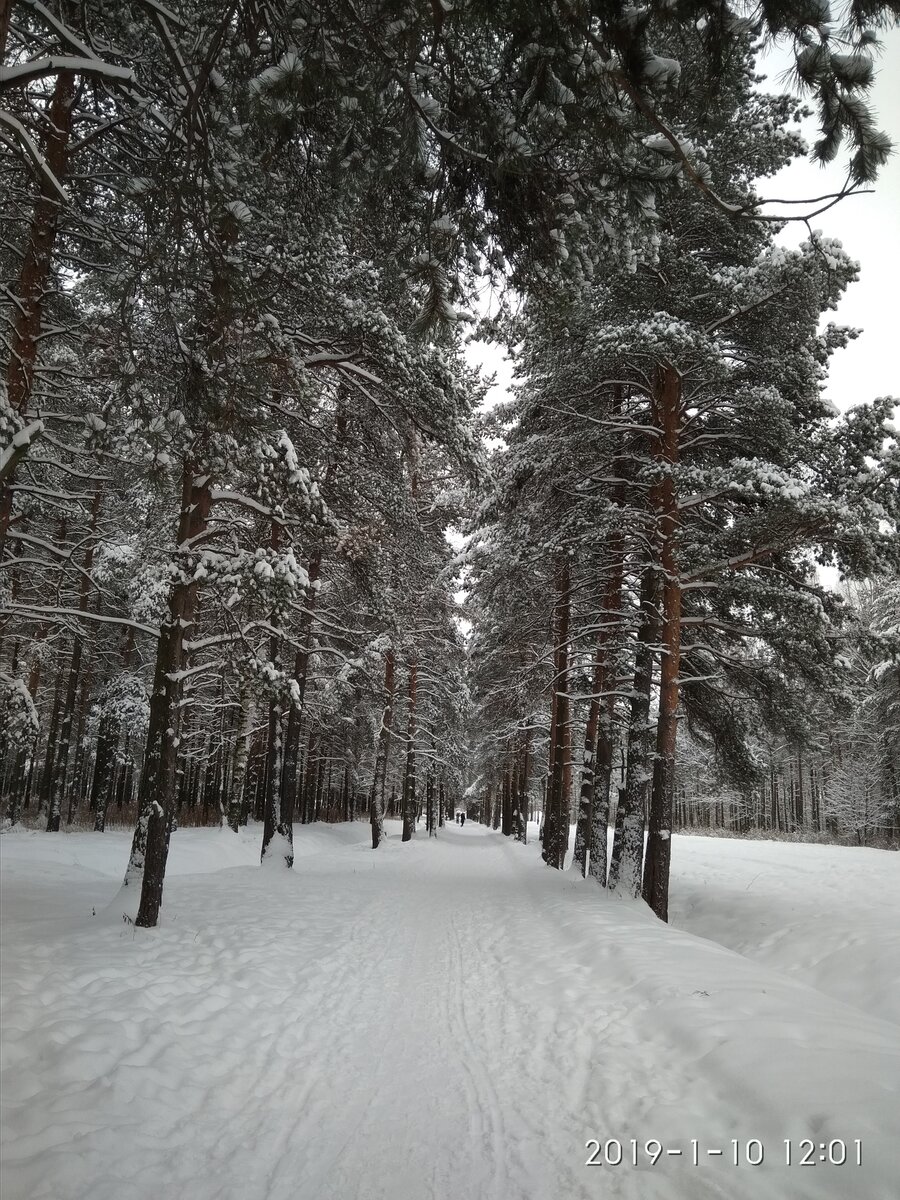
point(869, 228)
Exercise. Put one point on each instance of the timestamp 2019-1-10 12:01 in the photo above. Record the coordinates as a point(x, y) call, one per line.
point(750, 1152)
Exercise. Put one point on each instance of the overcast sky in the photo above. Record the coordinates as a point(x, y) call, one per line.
point(869, 228)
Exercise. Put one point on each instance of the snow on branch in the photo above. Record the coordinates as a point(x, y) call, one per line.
point(22, 440)
point(33, 153)
point(50, 613)
point(40, 68)
point(228, 496)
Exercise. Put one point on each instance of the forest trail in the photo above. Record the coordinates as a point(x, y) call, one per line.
point(440, 1019)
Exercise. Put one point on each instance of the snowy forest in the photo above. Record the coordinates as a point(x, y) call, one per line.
point(277, 552)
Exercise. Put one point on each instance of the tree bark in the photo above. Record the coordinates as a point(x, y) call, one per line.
point(239, 763)
point(562, 769)
point(376, 800)
point(628, 851)
point(278, 817)
point(37, 265)
point(289, 775)
point(583, 826)
point(61, 759)
point(409, 775)
point(548, 820)
point(593, 815)
point(667, 403)
point(522, 789)
point(557, 827)
point(150, 845)
point(508, 792)
point(107, 738)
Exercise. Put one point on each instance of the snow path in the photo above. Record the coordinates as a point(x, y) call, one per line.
point(441, 1019)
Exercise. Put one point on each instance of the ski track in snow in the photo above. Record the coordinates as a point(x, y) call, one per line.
point(440, 1019)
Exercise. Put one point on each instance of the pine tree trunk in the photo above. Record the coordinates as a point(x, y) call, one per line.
point(409, 775)
point(105, 786)
point(562, 770)
point(37, 265)
point(45, 785)
point(273, 821)
point(522, 790)
point(239, 763)
point(61, 758)
point(667, 402)
point(583, 825)
point(556, 824)
point(506, 812)
point(290, 771)
point(107, 740)
point(601, 773)
point(61, 755)
point(548, 822)
point(80, 771)
point(346, 795)
point(150, 845)
point(310, 765)
point(430, 816)
point(273, 812)
point(625, 871)
point(376, 800)
point(566, 796)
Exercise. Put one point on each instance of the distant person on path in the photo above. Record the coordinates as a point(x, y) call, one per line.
point(462, 818)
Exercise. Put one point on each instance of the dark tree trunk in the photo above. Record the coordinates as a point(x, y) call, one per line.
point(506, 812)
point(273, 818)
point(430, 816)
point(346, 795)
point(667, 403)
point(107, 740)
point(556, 835)
point(522, 790)
point(628, 852)
point(241, 755)
point(618, 834)
point(273, 812)
point(548, 821)
point(409, 775)
point(37, 266)
point(61, 759)
point(601, 767)
point(61, 755)
point(557, 791)
point(583, 825)
point(45, 785)
point(80, 770)
point(376, 800)
point(150, 845)
point(290, 770)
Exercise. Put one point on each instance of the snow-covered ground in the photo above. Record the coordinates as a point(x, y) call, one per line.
point(442, 1019)
point(828, 915)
